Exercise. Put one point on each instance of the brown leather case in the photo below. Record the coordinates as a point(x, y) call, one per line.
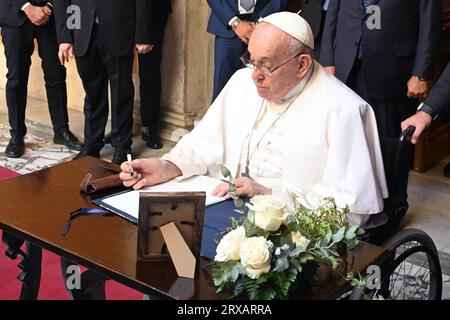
point(90, 184)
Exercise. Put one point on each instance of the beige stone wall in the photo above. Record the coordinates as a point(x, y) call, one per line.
point(187, 70)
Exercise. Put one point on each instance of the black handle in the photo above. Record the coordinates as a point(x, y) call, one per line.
point(407, 134)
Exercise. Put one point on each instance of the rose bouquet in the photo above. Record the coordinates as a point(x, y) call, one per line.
point(263, 255)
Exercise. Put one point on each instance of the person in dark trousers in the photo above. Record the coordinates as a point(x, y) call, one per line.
point(385, 51)
point(103, 45)
point(437, 104)
point(21, 22)
point(232, 22)
point(150, 76)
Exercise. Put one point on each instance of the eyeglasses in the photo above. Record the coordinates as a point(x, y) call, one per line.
point(247, 61)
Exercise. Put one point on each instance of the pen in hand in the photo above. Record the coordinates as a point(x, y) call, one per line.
point(129, 164)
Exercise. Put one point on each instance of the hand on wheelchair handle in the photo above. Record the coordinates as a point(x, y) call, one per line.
point(407, 134)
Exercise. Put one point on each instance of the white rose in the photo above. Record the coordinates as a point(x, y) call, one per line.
point(230, 245)
point(255, 256)
point(268, 211)
point(299, 240)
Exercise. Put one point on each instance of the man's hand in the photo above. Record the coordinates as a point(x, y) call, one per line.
point(148, 172)
point(143, 48)
point(417, 88)
point(38, 15)
point(245, 187)
point(65, 52)
point(244, 30)
point(331, 70)
point(421, 121)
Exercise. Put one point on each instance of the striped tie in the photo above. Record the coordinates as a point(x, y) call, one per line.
point(367, 3)
point(247, 4)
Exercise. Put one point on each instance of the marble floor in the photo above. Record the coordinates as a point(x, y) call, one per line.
point(429, 192)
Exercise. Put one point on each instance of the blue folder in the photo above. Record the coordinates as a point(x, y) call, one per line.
point(217, 219)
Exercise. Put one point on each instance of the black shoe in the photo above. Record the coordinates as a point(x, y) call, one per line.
point(68, 139)
point(108, 138)
point(447, 170)
point(150, 136)
point(16, 147)
point(84, 153)
point(120, 155)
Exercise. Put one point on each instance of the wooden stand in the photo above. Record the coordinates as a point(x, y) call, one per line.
point(170, 228)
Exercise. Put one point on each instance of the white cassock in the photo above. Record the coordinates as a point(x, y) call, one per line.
point(325, 143)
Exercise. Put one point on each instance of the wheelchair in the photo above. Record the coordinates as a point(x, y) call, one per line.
point(411, 269)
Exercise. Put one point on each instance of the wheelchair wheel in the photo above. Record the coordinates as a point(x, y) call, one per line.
point(411, 270)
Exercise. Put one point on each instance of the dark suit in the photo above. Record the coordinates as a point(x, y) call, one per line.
point(228, 47)
point(405, 45)
point(103, 47)
point(439, 97)
point(18, 34)
point(150, 64)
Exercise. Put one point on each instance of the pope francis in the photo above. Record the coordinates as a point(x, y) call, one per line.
point(282, 125)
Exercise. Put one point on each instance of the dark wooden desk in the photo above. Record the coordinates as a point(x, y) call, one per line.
point(35, 208)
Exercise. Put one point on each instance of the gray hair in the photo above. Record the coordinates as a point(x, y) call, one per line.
point(295, 46)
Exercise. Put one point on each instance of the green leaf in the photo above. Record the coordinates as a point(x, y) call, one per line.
point(281, 264)
point(225, 172)
point(238, 203)
point(328, 237)
point(296, 251)
point(297, 265)
point(333, 252)
point(251, 216)
point(305, 257)
point(349, 235)
point(338, 236)
point(231, 188)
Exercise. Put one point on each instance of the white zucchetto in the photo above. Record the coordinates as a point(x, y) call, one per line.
point(292, 24)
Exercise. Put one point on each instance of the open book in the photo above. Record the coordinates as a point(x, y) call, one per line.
point(126, 204)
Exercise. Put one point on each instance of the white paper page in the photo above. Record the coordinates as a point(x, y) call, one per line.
point(128, 202)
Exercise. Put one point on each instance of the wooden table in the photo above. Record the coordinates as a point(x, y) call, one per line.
point(35, 207)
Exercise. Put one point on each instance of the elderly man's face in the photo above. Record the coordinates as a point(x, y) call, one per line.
point(268, 47)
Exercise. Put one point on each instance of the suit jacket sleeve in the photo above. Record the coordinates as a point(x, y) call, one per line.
point(274, 6)
point(439, 97)
point(145, 12)
point(223, 10)
point(63, 33)
point(17, 4)
point(428, 40)
point(329, 34)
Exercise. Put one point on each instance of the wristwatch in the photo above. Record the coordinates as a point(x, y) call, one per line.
point(235, 23)
point(428, 110)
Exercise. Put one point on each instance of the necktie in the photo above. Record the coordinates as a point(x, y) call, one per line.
point(367, 3)
point(247, 4)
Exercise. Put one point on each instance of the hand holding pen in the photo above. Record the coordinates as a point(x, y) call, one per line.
point(129, 164)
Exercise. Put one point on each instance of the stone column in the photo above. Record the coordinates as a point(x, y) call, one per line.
point(187, 68)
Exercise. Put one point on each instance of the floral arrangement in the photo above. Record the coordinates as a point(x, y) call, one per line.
point(263, 255)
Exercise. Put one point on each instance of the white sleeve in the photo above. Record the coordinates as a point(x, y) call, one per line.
point(26, 5)
point(203, 148)
point(354, 172)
